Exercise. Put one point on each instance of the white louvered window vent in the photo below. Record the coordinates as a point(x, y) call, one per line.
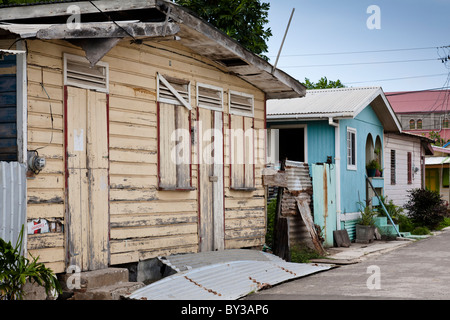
point(241, 103)
point(209, 97)
point(79, 73)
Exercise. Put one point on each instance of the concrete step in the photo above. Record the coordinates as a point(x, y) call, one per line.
point(104, 284)
point(112, 292)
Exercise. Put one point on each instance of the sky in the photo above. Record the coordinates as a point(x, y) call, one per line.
point(321, 31)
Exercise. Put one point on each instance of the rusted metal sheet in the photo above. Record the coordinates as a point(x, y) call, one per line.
point(228, 280)
point(12, 200)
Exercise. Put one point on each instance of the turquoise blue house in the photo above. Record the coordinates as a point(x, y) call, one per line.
point(337, 132)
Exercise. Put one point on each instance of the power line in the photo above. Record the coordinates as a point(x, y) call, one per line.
point(359, 52)
point(403, 78)
point(360, 63)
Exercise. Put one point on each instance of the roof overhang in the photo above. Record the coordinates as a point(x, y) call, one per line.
point(189, 30)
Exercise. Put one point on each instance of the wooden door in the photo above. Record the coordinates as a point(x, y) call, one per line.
point(211, 180)
point(87, 178)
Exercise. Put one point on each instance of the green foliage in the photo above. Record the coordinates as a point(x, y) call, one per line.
point(323, 83)
point(421, 231)
point(394, 211)
point(17, 269)
point(438, 140)
point(271, 208)
point(242, 20)
point(444, 223)
point(303, 254)
point(373, 164)
point(426, 208)
point(367, 215)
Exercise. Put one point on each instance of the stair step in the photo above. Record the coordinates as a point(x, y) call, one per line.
point(111, 292)
point(103, 277)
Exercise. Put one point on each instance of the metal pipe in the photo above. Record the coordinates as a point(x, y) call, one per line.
point(282, 42)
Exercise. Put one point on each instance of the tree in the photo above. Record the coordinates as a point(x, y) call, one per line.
point(242, 20)
point(323, 83)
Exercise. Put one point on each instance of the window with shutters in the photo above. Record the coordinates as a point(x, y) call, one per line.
point(241, 103)
point(393, 180)
point(412, 124)
point(209, 97)
point(351, 149)
point(174, 135)
point(419, 124)
point(242, 153)
point(78, 72)
point(409, 169)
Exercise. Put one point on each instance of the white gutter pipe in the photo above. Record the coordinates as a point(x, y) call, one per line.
point(337, 160)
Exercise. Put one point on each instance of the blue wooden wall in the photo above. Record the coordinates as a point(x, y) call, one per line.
point(8, 109)
point(353, 183)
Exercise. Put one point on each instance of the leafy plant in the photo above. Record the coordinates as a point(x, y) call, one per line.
point(373, 164)
point(17, 269)
point(394, 211)
point(426, 208)
point(368, 215)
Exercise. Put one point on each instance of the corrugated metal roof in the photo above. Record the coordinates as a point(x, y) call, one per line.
point(225, 281)
point(419, 101)
point(344, 102)
point(436, 160)
point(189, 261)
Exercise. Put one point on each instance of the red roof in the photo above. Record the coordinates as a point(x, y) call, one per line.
point(419, 101)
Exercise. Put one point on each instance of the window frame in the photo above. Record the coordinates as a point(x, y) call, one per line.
point(353, 165)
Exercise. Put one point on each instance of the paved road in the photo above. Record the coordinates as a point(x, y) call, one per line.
point(420, 270)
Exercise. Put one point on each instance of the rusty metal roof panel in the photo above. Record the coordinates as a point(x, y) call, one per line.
point(225, 281)
point(298, 178)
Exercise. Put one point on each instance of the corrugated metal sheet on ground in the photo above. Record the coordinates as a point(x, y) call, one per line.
point(226, 280)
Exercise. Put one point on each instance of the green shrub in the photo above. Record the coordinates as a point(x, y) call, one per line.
point(405, 223)
point(426, 208)
point(444, 224)
point(17, 269)
point(271, 208)
point(421, 231)
point(303, 254)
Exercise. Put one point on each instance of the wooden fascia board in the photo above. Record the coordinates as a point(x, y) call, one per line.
point(60, 9)
point(233, 49)
point(109, 30)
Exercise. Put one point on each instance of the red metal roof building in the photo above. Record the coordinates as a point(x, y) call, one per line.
point(422, 111)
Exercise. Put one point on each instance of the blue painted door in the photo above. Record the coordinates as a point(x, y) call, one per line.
point(324, 200)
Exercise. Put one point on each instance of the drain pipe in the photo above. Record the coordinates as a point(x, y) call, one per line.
point(337, 160)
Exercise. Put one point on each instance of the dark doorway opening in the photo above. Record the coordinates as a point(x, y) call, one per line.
point(292, 144)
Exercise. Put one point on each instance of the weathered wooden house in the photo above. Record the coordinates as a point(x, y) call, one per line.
point(134, 105)
point(335, 131)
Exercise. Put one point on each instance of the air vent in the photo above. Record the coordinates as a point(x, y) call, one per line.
point(234, 62)
point(241, 103)
point(209, 97)
point(79, 73)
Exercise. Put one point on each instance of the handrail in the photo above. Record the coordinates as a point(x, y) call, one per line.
point(384, 208)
